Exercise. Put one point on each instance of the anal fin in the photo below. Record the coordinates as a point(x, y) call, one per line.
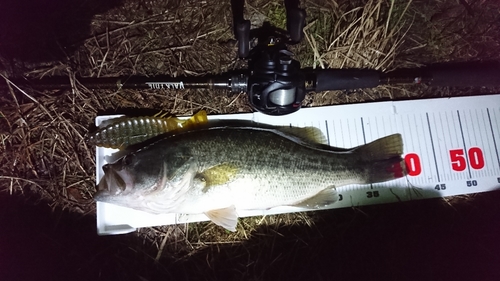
point(323, 198)
point(226, 217)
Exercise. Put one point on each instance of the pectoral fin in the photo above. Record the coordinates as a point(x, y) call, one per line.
point(322, 199)
point(226, 217)
point(218, 175)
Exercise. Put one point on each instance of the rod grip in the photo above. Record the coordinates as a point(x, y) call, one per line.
point(345, 79)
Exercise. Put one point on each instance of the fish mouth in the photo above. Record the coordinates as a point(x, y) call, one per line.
point(113, 183)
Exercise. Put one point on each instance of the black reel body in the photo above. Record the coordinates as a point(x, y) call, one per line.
point(276, 85)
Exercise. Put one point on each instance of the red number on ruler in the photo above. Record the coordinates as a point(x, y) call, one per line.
point(413, 166)
point(476, 158)
point(457, 158)
point(458, 162)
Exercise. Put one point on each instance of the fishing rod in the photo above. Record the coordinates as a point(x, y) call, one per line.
point(274, 82)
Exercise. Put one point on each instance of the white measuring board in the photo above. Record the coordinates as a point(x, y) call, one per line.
point(451, 147)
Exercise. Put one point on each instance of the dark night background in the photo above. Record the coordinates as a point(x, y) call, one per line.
point(420, 240)
point(46, 30)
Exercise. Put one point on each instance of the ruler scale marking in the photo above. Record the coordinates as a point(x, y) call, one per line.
point(476, 143)
point(465, 147)
point(423, 140)
point(493, 136)
point(452, 131)
point(491, 143)
point(356, 130)
point(466, 121)
point(471, 127)
point(485, 144)
point(449, 128)
point(456, 138)
point(432, 146)
point(420, 135)
point(481, 141)
point(355, 133)
point(327, 133)
point(342, 135)
point(368, 129)
point(392, 124)
point(497, 126)
point(350, 133)
point(363, 129)
point(389, 121)
point(437, 137)
point(454, 144)
point(334, 135)
point(449, 139)
point(485, 141)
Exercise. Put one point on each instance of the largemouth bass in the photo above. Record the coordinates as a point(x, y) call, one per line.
point(218, 170)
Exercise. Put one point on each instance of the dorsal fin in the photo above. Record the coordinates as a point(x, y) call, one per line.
point(311, 135)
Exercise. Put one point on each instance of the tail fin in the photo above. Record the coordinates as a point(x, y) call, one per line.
point(383, 157)
point(386, 170)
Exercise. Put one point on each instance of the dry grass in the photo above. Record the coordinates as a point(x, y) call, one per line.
point(356, 35)
point(366, 36)
point(43, 153)
point(44, 150)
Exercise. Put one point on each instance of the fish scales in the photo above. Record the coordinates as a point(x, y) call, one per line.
point(279, 172)
point(218, 170)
